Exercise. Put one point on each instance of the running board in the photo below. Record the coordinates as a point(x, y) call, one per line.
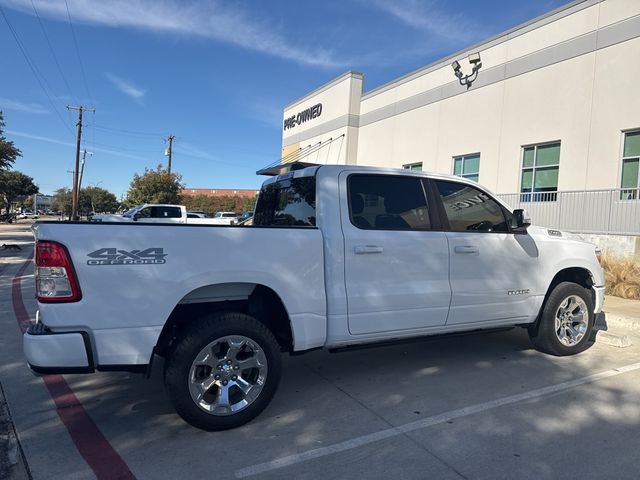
point(424, 338)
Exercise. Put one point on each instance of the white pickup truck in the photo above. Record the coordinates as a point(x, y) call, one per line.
point(156, 213)
point(337, 256)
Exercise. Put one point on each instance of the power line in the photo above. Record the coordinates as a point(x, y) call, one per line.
point(53, 53)
point(34, 70)
point(75, 41)
point(128, 132)
point(125, 149)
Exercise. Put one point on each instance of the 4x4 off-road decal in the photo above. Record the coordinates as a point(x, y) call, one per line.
point(114, 256)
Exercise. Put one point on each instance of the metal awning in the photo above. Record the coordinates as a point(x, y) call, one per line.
point(284, 168)
point(292, 161)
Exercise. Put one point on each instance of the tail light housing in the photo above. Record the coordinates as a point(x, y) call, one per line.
point(56, 280)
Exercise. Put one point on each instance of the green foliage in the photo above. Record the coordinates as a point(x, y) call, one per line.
point(15, 184)
point(8, 151)
point(98, 200)
point(62, 201)
point(155, 186)
point(212, 205)
point(250, 204)
point(90, 200)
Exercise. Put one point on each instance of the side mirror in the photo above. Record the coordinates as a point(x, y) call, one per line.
point(521, 219)
point(136, 216)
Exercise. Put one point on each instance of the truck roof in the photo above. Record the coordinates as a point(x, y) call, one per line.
point(307, 170)
point(337, 169)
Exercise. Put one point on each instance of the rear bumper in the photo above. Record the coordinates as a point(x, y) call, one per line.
point(50, 352)
point(598, 299)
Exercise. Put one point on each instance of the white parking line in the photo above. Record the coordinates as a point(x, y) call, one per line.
point(428, 422)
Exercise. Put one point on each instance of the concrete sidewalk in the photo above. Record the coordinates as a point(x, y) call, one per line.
point(622, 314)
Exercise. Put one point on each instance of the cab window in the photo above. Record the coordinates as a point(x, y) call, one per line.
point(387, 202)
point(287, 202)
point(470, 209)
point(167, 212)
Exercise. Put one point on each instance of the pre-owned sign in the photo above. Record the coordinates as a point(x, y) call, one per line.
point(303, 116)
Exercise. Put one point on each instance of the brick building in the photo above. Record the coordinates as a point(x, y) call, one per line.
point(219, 192)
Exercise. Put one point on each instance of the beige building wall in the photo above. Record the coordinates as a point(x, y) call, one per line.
point(568, 76)
point(331, 137)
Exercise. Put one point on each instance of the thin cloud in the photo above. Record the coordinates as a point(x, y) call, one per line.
point(267, 112)
point(191, 150)
point(70, 144)
point(40, 138)
point(214, 20)
point(429, 18)
point(125, 86)
point(7, 104)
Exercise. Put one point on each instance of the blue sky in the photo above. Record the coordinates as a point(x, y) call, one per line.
point(215, 74)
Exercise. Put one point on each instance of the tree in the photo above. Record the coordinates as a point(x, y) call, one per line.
point(99, 200)
point(14, 184)
point(155, 186)
point(250, 204)
point(62, 201)
point(211, 205)
point(91, 199)
point(8, 151)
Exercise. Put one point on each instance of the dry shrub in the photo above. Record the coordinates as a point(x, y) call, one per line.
point(622, 277)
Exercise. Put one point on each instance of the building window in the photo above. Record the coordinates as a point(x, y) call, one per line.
point(467, 166)
point(413, 166)
point(630, 182)
point(540, 166)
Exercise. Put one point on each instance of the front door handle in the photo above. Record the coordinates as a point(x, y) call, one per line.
point(467, 249)
point(364, 249)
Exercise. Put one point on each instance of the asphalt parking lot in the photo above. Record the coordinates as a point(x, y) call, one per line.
point(472, 407)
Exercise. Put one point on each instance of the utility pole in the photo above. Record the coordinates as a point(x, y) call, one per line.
point(170, 150)
point(74, 194)
point(84, 156)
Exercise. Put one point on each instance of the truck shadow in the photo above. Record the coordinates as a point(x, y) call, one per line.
point(327, 398)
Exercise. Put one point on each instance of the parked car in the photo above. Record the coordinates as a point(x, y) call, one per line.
point(153, 213)
point(198, 214)
point(338, 256)
point(244, 216)
point(225, 218)
point(27, 215)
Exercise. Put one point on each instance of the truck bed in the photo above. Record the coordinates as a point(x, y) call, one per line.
point(135, 274)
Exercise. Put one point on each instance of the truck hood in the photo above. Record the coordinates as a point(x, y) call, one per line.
point(552, 233)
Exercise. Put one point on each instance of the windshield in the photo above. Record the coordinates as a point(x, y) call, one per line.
point(130, 212)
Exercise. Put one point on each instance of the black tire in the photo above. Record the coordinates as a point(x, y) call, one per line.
point(543, 334)
point(199, 335)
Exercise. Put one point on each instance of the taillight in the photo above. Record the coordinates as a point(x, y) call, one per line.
point(55, 277)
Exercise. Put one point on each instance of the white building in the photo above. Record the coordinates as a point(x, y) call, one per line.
point(42, 202)
point(555, 107)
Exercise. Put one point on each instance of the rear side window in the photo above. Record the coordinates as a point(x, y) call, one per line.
point(471, 209)
point(167, 212)
point(387, 202)
point(290, 202)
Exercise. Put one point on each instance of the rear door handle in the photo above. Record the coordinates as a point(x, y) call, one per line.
point(364, 249)
point(467, 249)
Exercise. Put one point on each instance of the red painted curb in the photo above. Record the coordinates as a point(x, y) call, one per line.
point(95, 449)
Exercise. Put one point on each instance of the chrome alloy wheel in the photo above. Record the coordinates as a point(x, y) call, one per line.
point(228, 375)
point(572, 320)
